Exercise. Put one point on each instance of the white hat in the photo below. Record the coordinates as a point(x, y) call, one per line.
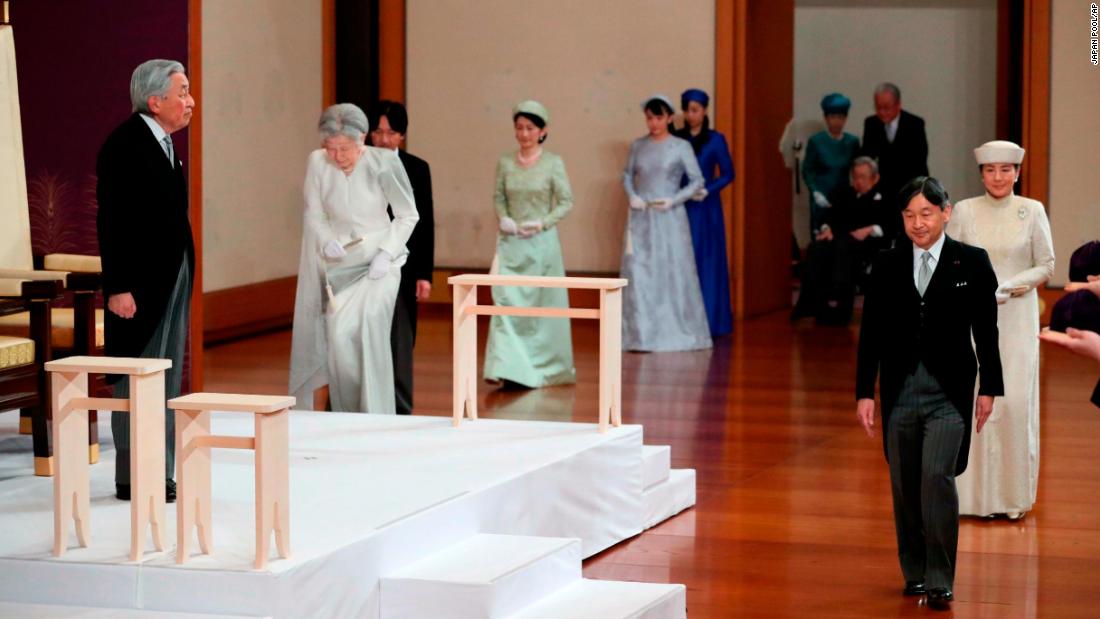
point(999, 151)
point(659, 97)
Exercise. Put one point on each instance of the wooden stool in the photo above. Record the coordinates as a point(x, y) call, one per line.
point(69, 388)
point(610, 315)
point(193, 443)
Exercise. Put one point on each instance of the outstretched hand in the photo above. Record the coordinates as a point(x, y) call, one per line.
point(1093, 285)
point(1080, 341)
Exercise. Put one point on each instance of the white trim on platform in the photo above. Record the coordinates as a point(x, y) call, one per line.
point(370, 494)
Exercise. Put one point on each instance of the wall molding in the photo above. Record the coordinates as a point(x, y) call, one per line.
point(251, 309)
point(246, 310)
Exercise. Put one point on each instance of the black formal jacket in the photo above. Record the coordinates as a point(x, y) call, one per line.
point(901, 328)
point(851, 212)
point(144, 231)
point(901, 160)
point(421, 245)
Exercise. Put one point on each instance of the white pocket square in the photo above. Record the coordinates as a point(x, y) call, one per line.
point(959, 284)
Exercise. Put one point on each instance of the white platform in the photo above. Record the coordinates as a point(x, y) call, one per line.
point(53, 611)
point(491, 576)
point(371, 496)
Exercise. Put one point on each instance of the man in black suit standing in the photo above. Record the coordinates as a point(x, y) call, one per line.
point(896, 139)
point(924, 303)
point(146, 245)
point(389, 121)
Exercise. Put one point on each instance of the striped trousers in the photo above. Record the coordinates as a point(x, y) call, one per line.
point(169, 341)
point(923, 440)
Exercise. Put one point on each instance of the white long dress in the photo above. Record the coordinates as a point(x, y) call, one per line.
point(342, 317)
point(1003, 472)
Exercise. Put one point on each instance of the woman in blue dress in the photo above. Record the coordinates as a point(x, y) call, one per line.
point(704, 211)
point(829, 155)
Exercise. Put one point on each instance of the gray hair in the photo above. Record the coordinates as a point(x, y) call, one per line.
point(152, 78)
point(890, 88)
point(343, 119)
point(867, 161)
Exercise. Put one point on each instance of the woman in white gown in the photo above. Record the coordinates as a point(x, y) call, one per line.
point(1003, 474)
point(350, 267)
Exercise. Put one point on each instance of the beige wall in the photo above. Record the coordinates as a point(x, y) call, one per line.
point(1074, 134)
point(261, 70)
point(941, 54)
point(590, 63)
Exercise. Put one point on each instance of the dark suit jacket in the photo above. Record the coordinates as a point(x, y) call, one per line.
point(421, 245)
point(901, 328)
point(144, 231)
point(851, 212)
point(901, 160)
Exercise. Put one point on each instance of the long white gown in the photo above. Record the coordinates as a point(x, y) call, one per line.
point(342, 317)
point(1003, 473)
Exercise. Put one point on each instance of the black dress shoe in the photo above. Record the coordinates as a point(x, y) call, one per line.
point(122, 491)
point(940, 598)
point(913, 587)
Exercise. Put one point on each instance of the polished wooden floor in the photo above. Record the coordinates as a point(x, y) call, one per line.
point(793, 516)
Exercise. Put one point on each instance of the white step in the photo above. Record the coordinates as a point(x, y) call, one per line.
point(656, 462)
point(55, 611)
point(609, 599)
point(486, 576)
point(669, 497)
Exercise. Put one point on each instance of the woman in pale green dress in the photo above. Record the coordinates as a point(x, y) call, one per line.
point(532, 195)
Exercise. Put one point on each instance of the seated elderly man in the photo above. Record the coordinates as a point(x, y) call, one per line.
point(858, 225)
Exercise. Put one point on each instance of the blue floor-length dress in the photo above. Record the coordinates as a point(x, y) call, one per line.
point(708, 232)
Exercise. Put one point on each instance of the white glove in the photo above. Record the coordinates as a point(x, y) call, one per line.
point(700, 195)
point(508, 225)
point(661, 204)
point(1002, 295)
point(530, 228)
point(333, 250)
point(380, 265)
point(637, 203)
point(821, 200)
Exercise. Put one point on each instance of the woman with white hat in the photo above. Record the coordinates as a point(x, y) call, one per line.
point(1003, 474)
point(532, 195)
point(663, 305)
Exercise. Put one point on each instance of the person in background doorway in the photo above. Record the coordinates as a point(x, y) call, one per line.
point(829, 156)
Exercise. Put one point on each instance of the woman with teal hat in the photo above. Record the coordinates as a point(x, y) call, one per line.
point(704, 211)
point(662, 306)
point(829, 156)
point(532, 195)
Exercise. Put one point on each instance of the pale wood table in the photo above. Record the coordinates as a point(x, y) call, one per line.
point(69, 390)
point(193, 444)
point(609, 313)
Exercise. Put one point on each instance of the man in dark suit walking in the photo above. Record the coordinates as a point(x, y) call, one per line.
point(146, 245)
point(389, 121)
point(923, 305)
point(896, 139)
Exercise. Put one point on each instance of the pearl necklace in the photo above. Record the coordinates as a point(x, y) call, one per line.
point(526, 162)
